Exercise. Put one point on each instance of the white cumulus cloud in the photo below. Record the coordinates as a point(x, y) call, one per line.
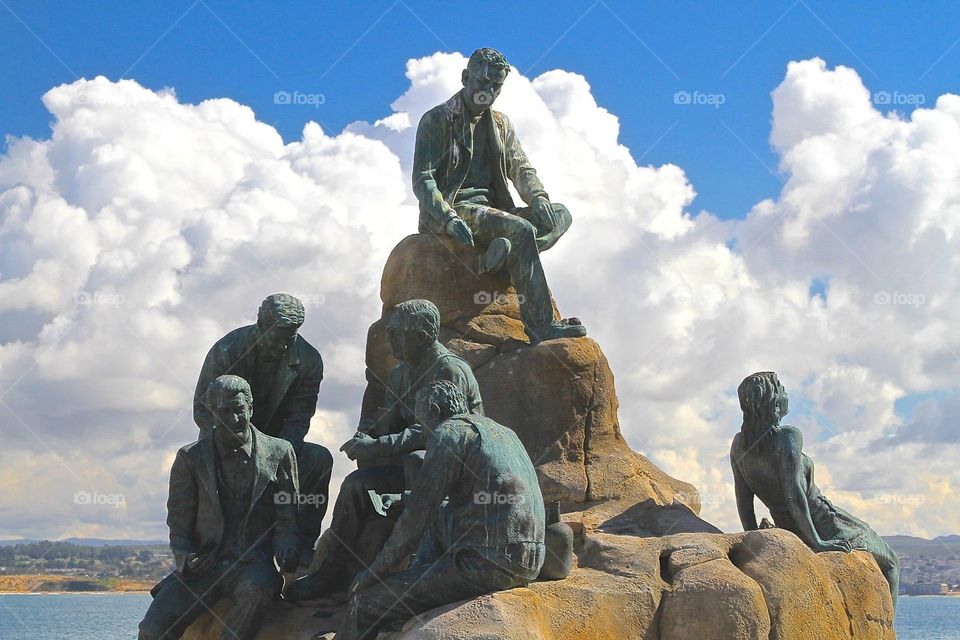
point(145, 228)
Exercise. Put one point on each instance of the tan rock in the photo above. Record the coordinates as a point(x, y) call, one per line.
point(763, 584)
point(801, 595)
point(713, 600)
point(559, 397)
point(443, 271)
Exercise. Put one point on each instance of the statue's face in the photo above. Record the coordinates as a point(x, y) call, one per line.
point(428, 416)
point(783, 404)
point(483, 84)
point(275, 342)
point(233, 414)
point(405, 341)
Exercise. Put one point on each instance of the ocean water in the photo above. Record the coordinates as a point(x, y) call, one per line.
point(71, 616)
point(115, 617)
point(928, 618)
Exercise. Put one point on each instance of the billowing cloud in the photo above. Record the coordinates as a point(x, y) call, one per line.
point(144, 228)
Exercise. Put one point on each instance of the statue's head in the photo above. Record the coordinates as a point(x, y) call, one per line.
point(437, 401)
point(413, 326)
point(278, 321)
point(231, 403)
point(762, 398)
point(483, 78)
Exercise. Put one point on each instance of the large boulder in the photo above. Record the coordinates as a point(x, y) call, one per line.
point(709, 586)
point(559, 396)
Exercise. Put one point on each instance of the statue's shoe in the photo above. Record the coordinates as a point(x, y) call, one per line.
point(569, 328)
point(495, 256)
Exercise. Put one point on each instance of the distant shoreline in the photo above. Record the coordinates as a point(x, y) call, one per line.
point(74, 593)
point(58, 584)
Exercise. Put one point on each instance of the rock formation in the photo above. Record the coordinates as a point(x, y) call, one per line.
point(647, 566)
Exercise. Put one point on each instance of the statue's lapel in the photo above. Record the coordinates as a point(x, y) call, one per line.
point(208, 478)
point(264, 469)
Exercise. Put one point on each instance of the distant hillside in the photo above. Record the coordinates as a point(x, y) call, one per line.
point(939, 547)
point(88, 542)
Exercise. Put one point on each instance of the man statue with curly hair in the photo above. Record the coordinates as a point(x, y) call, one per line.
point(465, 153)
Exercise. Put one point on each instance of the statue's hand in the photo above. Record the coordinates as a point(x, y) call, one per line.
point(198, 564)
point(835, 545)
point(458, 229)
point(359, 447)
point(544, 217)
point(288, 558)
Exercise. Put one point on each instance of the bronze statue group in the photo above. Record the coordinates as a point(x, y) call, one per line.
point(445, 504)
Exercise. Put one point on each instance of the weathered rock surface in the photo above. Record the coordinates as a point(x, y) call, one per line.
point(647, 566)
point(558, 396)
point(704, 586)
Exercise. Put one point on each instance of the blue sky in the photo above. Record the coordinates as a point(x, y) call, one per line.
point(635, 55)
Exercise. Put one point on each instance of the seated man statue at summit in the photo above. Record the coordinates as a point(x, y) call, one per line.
point(232, 510)
point(391, 456)
point(487, 536)
point(465, 152)
point(284, 372)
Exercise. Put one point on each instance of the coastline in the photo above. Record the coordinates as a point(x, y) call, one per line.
point(74, 593)
point(39, 584)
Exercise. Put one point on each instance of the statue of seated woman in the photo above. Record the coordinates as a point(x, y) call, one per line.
point(768, 462)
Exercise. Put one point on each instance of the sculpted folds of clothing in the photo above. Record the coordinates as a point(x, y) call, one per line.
point(284, 395)
point(230, 503)
point(488, 537)
point(194, 511)
point(495, 506)
point(442, 157)
point(400, 435)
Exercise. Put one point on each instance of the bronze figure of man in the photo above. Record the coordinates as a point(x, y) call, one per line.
point(390, 458)
point(465, 153)
point(232, 510)
point(475, 521)
point(284, 372)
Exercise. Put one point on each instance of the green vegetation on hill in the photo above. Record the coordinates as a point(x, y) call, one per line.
point(87, 564)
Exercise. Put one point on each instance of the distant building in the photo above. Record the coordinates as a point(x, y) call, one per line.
point(925, 589)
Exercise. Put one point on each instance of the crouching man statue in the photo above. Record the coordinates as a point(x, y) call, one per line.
point(465, 153)
point(488, 536)
point(284, 372)
point(232, 509)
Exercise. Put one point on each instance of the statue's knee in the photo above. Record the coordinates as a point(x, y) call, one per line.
point(522, 232)
point(256, 592)
point(564, 219)
point(353, 483)
point(149, 631)
point(316, 456)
